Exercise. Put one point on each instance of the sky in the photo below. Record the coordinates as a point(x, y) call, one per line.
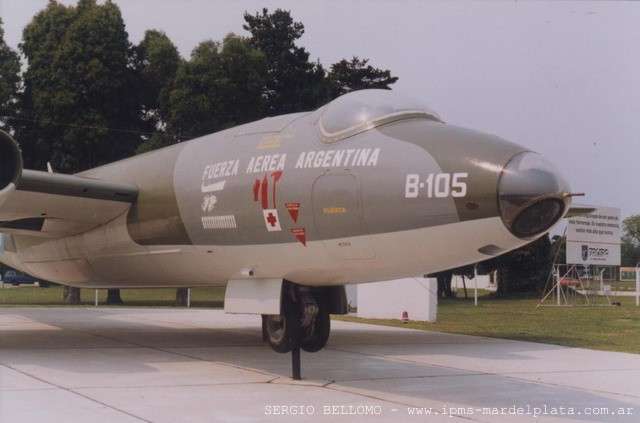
point(561, 78)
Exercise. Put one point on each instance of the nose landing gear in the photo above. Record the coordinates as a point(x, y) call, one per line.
point(303, 321)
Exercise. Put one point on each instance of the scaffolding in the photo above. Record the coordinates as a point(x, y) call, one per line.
point(577, 285)
point(572, 284)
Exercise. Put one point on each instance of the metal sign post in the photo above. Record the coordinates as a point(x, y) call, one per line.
point(637, 286)
point(475, 286)
point(295, 364)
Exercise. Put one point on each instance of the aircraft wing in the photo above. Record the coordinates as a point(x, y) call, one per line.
point(49, 204)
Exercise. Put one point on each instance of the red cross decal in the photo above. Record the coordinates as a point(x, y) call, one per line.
point(272, 220)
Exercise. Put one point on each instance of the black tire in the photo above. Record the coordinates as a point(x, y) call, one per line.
point(283, 330)
point(318, 334)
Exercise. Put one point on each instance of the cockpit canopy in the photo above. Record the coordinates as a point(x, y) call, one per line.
point(361, 111)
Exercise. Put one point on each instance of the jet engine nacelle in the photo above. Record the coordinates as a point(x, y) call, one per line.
point(10, 166)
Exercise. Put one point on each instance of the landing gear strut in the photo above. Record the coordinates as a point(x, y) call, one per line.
point(303, 323)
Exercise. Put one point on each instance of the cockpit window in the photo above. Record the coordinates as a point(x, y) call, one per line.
point(361, 111)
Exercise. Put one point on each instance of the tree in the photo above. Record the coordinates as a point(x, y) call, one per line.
point(346, 76)
point(220, 87)
point(157, 62)
point(182, 297)
point(467, 272)
point(525, 269)
point(630, 254)
point(631, 241)
point(445, 278)
point(294, 83)
point(559, 249)
point(444, 283)
point(9, 80)
point(80, 106)
point(71, 295)
point(113, 297)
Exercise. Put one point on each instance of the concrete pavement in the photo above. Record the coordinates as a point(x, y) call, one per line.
point(165, 365)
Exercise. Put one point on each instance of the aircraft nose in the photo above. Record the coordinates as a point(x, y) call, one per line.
point(533, 195)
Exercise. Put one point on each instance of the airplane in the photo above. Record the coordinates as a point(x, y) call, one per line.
point(285, 211)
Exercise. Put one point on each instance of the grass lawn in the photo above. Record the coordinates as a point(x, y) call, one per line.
point(596, 327)
point(31, 296)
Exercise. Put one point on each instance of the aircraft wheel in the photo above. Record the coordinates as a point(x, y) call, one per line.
point(283, 331)
point(318, 334)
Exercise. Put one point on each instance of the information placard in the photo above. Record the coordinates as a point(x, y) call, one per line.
point(594, 238)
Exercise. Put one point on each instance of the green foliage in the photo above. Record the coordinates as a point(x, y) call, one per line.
point(631, 229)
point(630, 254)
point(221, 86)
point(558, 249)
point(525, 269)
point(90, 97)
point(631, 241)
point(528, 268)
point(444, 279)
point(80, 85)
point(156, 141)
point(9, 80)
point(294, 83)
point(346, 76)
point(157, 63)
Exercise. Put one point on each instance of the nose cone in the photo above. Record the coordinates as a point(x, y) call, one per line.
point(532, 195)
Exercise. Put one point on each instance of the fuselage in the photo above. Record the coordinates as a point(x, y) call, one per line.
point(294, 198)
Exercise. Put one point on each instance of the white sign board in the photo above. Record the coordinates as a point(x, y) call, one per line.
point(594, 239)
